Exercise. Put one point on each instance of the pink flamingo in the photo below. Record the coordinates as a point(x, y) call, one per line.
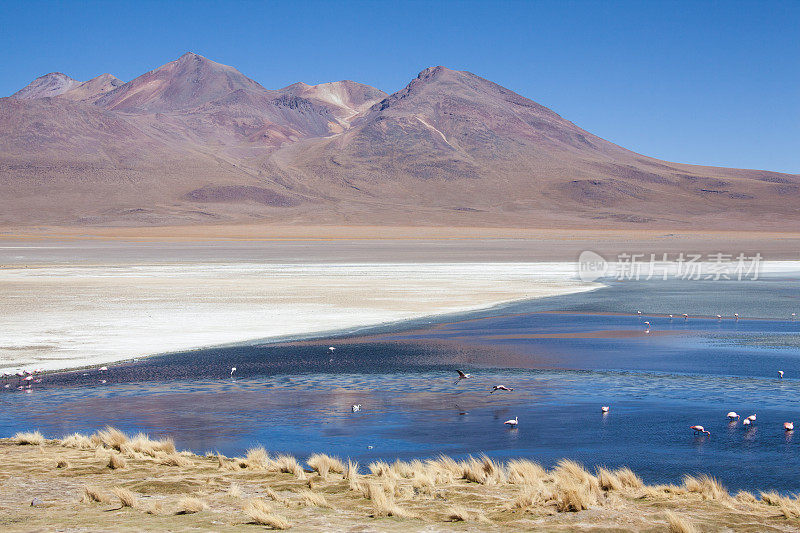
point(700, 430)
point(605, 409)
point(780, 374)
point(500, 387)
point(732, 416)
point(746, 422)
point(685, 316)
point(788, 426)
point(513, 422)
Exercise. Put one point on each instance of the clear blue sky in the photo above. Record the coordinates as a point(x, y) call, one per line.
point(701, 82)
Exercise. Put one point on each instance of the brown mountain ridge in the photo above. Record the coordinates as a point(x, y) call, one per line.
point(194, 141)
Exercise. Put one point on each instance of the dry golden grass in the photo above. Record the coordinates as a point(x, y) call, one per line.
point(234, 491)
point(706, 486)
point(126, 497)
point(437, 494)
point(313, 499)
point(190, 504)
point(116, 461)
point(288, 465)
point(257, 458)
point(33, 438)
point(62, 464)
point(324, 464)
point(173, 459)
point(678, 524)
point(93, 494)
point(259, 512)
point(110, 438)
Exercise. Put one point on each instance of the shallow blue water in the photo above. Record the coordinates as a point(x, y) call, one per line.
point(296, 397)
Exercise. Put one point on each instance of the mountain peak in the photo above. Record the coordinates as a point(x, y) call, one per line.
point(49, 85)
point(187, 82)
point(91, 90)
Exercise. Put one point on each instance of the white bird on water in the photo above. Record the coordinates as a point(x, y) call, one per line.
point(700, 430)
point(788, 426)
point(732, 416)
point(500, 387)
point(746, 422)
point(513, 422)
point(605, 409)
point(331, 348)
point(356, 407)
point(780, 374)
point(233, 369)
point(462, 375)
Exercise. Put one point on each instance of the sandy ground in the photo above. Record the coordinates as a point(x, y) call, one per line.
point(71, 485)
point(61, 316)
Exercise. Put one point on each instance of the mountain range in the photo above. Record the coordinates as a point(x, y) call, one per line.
point(198, 142)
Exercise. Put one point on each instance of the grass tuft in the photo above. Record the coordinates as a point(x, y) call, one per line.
point(678, 524)
point(190, 505)
point(33, 438)
point(92, 494)
point(126, 497)
point(323, 464)
point(116, 461)
point(259, 512)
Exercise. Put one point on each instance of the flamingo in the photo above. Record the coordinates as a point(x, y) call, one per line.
point(788, 426)
point(500, 387)
point(356, 407)
point(700, 430)
point(685, 316)
point(736, 316)
point(639, 313)
point(794, 315)
point(462, 375)
point(331, 348)
point(752, 418)
point(746, 422)
point(780, 374)
point(513, 422)
point(102, 369)
point(719, 317)
point(670, 316)
point(233, 369)
point(732, 416)
point(605, 409)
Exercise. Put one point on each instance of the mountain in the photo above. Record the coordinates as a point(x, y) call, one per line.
point(46, 86)
point(185, 83)
point(197, 141)
point(91, 90)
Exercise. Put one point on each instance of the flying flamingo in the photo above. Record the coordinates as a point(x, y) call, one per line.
point(732, 416)
point(462, 375)
point(500, 387)
point(780, 374)
point(605, 409)
point(788, 426)
point(700, 430)
point(512, 423)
